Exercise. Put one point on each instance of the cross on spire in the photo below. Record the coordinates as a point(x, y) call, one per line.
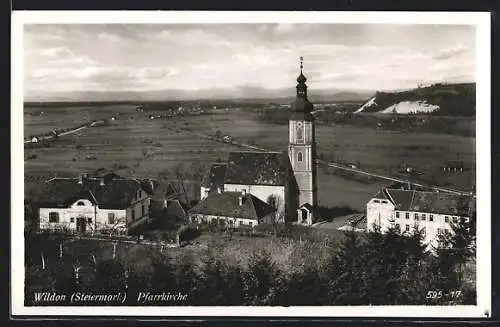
point(301, 63)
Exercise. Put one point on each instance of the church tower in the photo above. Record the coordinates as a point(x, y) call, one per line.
point(302, 152)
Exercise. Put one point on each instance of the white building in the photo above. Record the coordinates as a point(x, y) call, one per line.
point(407, 208)
point(91, 204)
point(233, 209)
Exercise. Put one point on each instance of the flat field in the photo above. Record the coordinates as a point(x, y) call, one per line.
point(137, 146)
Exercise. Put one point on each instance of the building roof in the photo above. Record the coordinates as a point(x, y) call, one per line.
point(114, 194)
point(431, 202)
point(256, 168)
point(226, 204)
point(307, 206)
point(215, 177)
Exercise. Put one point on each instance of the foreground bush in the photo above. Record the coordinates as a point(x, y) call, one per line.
point(364, 269)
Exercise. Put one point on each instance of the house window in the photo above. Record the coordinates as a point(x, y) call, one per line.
point(384, 201)
point(439, 231)
point(250, 223)
point(80, 203)
point(299, 156)
point(133, 214)
point(397, 214)
point(139, 194)
point(407, 227)
point(446, 219)
point(89, 220)
point(407, 215)
point(53, 217)
point(455, 219)
point(72, 219)
point(143, 210)
point(397, 226)
point(111, 217)
point(416, 216)
point(423, 216)
point(431, 218)
point(376, 201)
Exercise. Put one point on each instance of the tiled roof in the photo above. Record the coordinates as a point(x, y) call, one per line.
point(227, 204)
point(380, 195)
point(114, 194)
point(215, 177)
point(432, 202)
point(401, 198)
point(256, 168)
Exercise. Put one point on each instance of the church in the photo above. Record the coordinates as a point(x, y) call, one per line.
point(286, 181)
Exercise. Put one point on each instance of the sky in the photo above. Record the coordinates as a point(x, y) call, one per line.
point(142, 57)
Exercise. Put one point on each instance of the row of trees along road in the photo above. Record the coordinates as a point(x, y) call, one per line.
point(365, 269)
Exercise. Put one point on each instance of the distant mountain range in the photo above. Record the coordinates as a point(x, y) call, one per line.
point(237, 93)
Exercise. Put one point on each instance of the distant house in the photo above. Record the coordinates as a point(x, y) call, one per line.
point(87, 204)
point(406, 208)
point(232, 209)
point(227, 138)
point(454, 166)
point(34, 139)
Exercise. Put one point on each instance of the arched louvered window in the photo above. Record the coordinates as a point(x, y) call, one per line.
point(299, 156)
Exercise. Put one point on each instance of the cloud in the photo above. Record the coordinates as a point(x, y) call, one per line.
point(194, 56)
point(56, 53)
point(283, 28)
point(450, 52)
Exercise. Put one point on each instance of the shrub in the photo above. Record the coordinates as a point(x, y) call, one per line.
point(187, 233)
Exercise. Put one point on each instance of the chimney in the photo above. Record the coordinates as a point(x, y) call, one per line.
point(101, 181)
point(151, 184)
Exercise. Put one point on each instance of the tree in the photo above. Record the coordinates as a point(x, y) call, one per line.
point(455, 251)
point(278, 218)
point(163, 278)
point(259, 279)
point(346, 268)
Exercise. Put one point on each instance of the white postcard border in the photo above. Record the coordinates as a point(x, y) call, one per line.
point(482, 22)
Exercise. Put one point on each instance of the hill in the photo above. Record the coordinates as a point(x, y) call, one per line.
point(437, 99)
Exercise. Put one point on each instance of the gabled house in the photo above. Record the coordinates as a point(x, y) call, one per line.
point(406, 208)
point(87, 204)
point(232, 209)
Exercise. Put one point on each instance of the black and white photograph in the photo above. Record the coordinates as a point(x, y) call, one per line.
point(271, 164)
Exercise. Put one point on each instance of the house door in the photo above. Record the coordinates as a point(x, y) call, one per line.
point(81, 224)
point(304, 215)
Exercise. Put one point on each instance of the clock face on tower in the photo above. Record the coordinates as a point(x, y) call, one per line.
point(300, 132)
